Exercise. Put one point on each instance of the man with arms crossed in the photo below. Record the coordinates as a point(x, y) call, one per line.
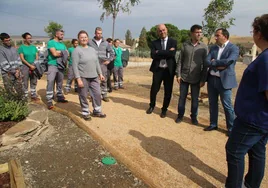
point(163, 53)
point(221, 61)
point(54, 74)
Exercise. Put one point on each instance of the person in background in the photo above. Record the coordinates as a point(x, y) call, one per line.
point(55, 73)
point(103, 48)
point(10, 66)
point(87, 72)
point(28, 54)
point(110, 68)
point(125, 57)
point(70, 69)
point(250, 131)
point(191, 72)
point(118, 66)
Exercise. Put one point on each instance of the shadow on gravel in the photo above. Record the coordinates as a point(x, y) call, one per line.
point(141, 106)
point(178, 158)
point(70, 106)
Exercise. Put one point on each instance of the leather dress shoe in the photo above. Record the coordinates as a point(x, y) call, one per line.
point(163, 114)
point(194, 121)
point(179, 119)
point(150, 110)
point(211, 128)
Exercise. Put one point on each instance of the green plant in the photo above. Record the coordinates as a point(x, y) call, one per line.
point(12, 107)
point(51, 28)
point(13, 111)
point(215, 15)
point(113, 7)
point(145, 53)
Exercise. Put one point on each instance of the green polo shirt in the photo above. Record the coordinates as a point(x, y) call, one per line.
point(70, 50)
point(118, 59)
point(58, 46)
point(29, 52)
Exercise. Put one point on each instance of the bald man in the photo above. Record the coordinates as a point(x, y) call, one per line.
point(163, 52)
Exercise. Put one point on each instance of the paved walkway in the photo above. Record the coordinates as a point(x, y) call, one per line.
point(161, 152)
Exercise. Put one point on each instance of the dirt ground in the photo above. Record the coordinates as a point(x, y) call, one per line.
point(159, 151)
point(68, 157)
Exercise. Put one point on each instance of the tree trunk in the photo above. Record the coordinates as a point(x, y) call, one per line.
point(113, 27)
point(209, 39)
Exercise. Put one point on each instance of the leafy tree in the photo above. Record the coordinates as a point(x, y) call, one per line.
point(67, 43)
point(242, 49)
point(173, 32)
point(214, 17)
point(113, 7)
point(38, 42)
point(19, 43)
point(185, 35)
point(51, 28)
point(128, 37)
point(143, 45)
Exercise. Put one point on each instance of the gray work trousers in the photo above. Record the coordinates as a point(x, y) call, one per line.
point(54, 75)
point(12, 84)
point(104, 82)
point(109, 81)
point(27, 75)
point(91, 85)
point(118, 76)
point(70, 79)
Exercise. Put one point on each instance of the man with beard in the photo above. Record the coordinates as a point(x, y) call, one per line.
point(55, 74)
point(103, 49)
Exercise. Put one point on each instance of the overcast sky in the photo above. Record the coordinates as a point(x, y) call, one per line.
point(19, 16)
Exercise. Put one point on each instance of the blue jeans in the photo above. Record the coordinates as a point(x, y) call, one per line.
point(195, 88)
point(246, 138)
point(215, 89)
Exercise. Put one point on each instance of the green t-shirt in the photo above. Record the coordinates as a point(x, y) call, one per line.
point(29, 52)
point(118, 59)
point(70, 50)
point(58, 46)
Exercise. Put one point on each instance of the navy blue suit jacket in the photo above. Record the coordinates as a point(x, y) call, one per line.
point(227, 60)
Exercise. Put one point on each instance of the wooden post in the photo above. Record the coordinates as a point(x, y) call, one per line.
point(3, 168)
point(16, 174)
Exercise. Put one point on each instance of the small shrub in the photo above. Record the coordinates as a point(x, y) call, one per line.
point(140, 53)
point(12, 106)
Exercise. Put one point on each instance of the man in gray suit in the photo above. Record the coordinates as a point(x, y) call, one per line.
point(221, 79)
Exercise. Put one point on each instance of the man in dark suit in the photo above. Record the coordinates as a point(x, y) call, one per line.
point(221, 79)
point(163, 67)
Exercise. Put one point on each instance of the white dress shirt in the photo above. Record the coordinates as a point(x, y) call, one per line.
point(163, 62)
point(221, 49)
